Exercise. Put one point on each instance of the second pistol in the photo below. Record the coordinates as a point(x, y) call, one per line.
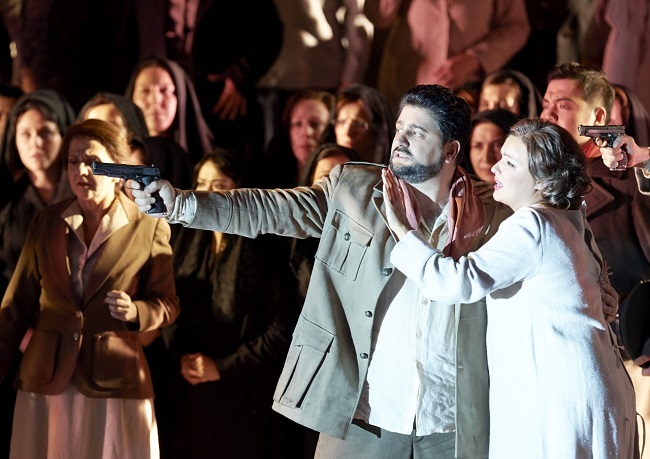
point(608, 134)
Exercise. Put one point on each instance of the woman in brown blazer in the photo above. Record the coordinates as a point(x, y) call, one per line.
point(94, 272)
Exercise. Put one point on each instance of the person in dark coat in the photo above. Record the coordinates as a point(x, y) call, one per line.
point(239, 310)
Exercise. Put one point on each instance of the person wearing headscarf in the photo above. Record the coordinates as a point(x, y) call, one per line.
point(40, 119)
point(165, 154)
point(510, 90)
point(165, 94)
point(36, 177)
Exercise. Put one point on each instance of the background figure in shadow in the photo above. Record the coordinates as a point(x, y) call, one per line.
point(228, 346)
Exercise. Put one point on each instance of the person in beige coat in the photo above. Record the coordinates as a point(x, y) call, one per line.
point(93, 274)
point(373, 365)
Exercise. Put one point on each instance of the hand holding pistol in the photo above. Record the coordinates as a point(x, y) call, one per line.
point(144, 175)
point(607, 135)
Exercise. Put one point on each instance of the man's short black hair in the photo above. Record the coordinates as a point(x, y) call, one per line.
point(451, 113)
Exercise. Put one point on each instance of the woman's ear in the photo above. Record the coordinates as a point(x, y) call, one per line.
point(451, 151)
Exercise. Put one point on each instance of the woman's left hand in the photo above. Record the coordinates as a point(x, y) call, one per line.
point(121, 307)
point(395, 210)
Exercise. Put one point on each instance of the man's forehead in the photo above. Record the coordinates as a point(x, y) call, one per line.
point(564, 88)
point(412, 114)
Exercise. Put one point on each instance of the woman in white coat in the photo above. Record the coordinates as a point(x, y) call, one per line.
point(558, 388)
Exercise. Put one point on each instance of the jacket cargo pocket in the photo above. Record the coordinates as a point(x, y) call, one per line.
point(343, 245)
point(308, 349)
point(115, 360)
point(41, 357)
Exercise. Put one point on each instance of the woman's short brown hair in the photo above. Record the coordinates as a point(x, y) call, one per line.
point(556, 161)
point(109, 136)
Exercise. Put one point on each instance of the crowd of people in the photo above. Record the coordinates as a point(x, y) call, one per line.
point(415, 257)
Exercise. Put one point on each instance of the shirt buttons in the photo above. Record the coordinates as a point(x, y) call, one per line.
point(363, 355)
point(425, 301)
point(346, 236)
point(368, 313)
point(75, 336)
point(387, 271)
point(419, 365)
point(418, 334)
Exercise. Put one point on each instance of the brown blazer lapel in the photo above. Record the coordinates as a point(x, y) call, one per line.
point(56, 238)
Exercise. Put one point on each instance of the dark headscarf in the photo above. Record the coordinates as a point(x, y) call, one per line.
point(135, 122)
point(189, 128)
point(53, 105)
point(530, 105)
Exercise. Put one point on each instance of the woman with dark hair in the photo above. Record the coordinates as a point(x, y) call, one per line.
point(558, 386)
point(146, 150)
point(228, 346)
point(305, 121)
point(364, 122)
point(93, 274)
point(38, 178)
point(489, 131)
point(165, 94)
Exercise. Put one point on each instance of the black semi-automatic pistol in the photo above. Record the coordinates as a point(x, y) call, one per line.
point(144, 175)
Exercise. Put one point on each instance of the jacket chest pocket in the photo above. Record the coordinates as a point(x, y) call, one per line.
point(344, 245)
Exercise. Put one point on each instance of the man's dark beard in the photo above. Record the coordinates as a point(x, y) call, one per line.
point(417, 172)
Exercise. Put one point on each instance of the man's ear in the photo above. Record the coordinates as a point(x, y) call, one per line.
point(600, 115)
point(451, 151)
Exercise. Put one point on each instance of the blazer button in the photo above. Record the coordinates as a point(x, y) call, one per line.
point(346, 236)
point(368, 313)
point(363, 355)
point(387, 271)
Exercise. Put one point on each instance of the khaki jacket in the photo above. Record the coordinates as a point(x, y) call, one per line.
point(77, 340)
point(327, 363)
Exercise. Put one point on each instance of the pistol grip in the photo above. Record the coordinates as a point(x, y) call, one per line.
point(623, 162)
point(157, 207)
